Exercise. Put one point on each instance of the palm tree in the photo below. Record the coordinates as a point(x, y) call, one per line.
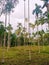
point(19, 31)
point(1, 6)
point(9, 28)
point(4, 12)
point(42, 20)
point(46, 4)
point(24, 20)
point(41, 33)
point(28, 20)
point(2, 29)
point(47, 18)
point(32, 26)
point(5, 29)
point(37, 11)
point(7, 7)
point(25, 35)
point(2, 3)
point(10, 4)
point(29, 28)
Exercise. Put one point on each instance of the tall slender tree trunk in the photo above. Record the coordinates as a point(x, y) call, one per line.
point(8, 39)
point(48, 26)
point(29, 29)
point(0, 41)
point(43, 43)
point(24, 21)
point(42, 38)
point(28, 21)
point(37, 35)
point(48, 7)
point(33, 37)
point(9, 32)
point(3, 60)
point(5, 29)
point(48, 12)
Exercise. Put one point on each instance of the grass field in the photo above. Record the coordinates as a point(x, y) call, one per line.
point(20, 55)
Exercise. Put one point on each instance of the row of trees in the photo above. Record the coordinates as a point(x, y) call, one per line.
point(6, 8)
point(17, 38)
point(21, 36)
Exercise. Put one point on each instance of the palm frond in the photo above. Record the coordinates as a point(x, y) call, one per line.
point(37, 10)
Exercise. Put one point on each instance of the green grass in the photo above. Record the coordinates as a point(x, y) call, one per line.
point(20, 55)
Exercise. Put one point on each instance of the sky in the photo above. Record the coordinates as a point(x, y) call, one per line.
point(18, 14)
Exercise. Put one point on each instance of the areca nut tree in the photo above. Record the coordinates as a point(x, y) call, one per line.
point(32, 26)
point(9, 28)
point(29, 19)
point(29, 28)
point(2, 29)
point(24, 18)
point(37, 11)
point(2, 4)
point(46, 4)
point(10, 4)
point(47, 18)
point(18, 32)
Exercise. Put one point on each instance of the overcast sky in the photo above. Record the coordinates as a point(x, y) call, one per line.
point(18, 14)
